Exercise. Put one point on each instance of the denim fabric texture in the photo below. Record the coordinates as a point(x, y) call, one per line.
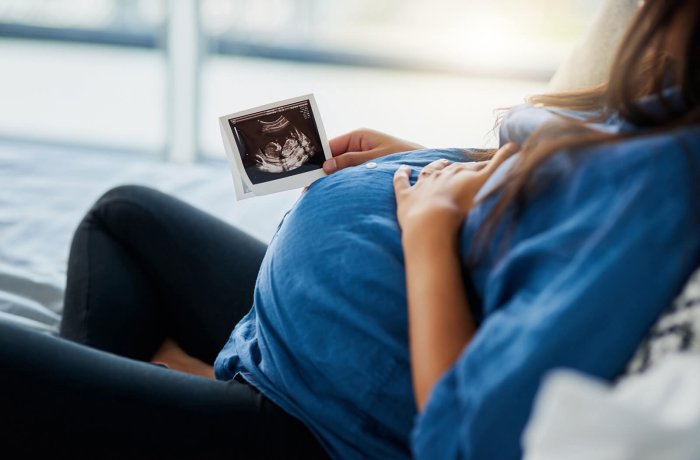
point(596, 255)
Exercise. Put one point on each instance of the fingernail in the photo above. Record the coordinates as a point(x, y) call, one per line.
point(444, 160)
point(329, 166)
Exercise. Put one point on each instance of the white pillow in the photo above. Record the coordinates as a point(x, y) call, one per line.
point(653, 416)
point(589, 63)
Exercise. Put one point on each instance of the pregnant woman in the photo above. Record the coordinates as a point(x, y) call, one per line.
point(408, 307)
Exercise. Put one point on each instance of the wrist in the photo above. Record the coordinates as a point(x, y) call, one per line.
point(428, 239)
point(436, 225)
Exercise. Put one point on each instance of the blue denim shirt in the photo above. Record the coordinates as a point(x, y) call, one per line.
point(589, 265)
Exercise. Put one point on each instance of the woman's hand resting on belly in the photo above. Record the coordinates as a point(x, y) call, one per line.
point(430, 214)
point(443, 194)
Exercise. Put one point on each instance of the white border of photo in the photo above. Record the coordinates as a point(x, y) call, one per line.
point(244, 187)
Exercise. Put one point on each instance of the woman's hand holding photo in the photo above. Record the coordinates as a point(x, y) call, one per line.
point(362, 145)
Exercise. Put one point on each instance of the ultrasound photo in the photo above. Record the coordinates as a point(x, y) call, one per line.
point(278, 142)
point(275, 147)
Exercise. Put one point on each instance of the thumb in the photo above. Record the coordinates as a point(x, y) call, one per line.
point(347, 159)
point(401, 181)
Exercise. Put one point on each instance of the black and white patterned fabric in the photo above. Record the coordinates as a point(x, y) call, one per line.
point(676, 330)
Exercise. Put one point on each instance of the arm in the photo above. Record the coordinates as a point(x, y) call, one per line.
point(439, 322)
point(598, 255)
point(430, 214)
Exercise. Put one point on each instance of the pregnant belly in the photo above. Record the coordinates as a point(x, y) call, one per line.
point(333, 284)
point(330, 332)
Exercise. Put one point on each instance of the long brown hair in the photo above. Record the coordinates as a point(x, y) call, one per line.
point(661, 44)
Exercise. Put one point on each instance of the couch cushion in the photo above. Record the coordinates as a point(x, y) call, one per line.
point(589, 62)
point(676, 330)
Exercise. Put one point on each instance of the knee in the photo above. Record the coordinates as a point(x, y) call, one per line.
point(122, 193)
point(116, 203)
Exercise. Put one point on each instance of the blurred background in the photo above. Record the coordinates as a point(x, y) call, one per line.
point(97, 93)
point(118, 74)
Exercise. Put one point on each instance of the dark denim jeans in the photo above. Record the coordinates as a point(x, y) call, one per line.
point(143, 266)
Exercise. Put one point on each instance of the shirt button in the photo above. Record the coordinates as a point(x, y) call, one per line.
point(371, 165)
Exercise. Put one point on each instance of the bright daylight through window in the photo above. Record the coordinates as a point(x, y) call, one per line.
point(151, 76)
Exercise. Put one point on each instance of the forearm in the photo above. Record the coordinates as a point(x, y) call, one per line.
point(440, 323)
point(430, 214)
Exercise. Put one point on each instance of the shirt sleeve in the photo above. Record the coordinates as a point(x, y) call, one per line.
point(612, 247)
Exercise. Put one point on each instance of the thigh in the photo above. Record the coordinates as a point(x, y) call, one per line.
point(68, 398)
point(177, 267)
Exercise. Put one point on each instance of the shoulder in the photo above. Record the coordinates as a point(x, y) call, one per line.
point(629, 181)
point(640, 172)
point(520, 121)
point(652, 158)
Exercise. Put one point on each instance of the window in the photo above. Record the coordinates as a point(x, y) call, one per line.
point(58, 87)
point(153, 75)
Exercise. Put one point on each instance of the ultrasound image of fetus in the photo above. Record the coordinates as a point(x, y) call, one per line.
point(285, 146)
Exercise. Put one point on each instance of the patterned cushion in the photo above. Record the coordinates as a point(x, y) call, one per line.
point(676, 330)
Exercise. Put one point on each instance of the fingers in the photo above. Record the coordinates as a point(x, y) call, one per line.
point(500, 156)
point(341, 144)
point(468, 167)
point(401, 181)
point(479, 165)
point(350, 149)
point(433, 166)
point(354, 141)
point(348, 159)
point(362, 145)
